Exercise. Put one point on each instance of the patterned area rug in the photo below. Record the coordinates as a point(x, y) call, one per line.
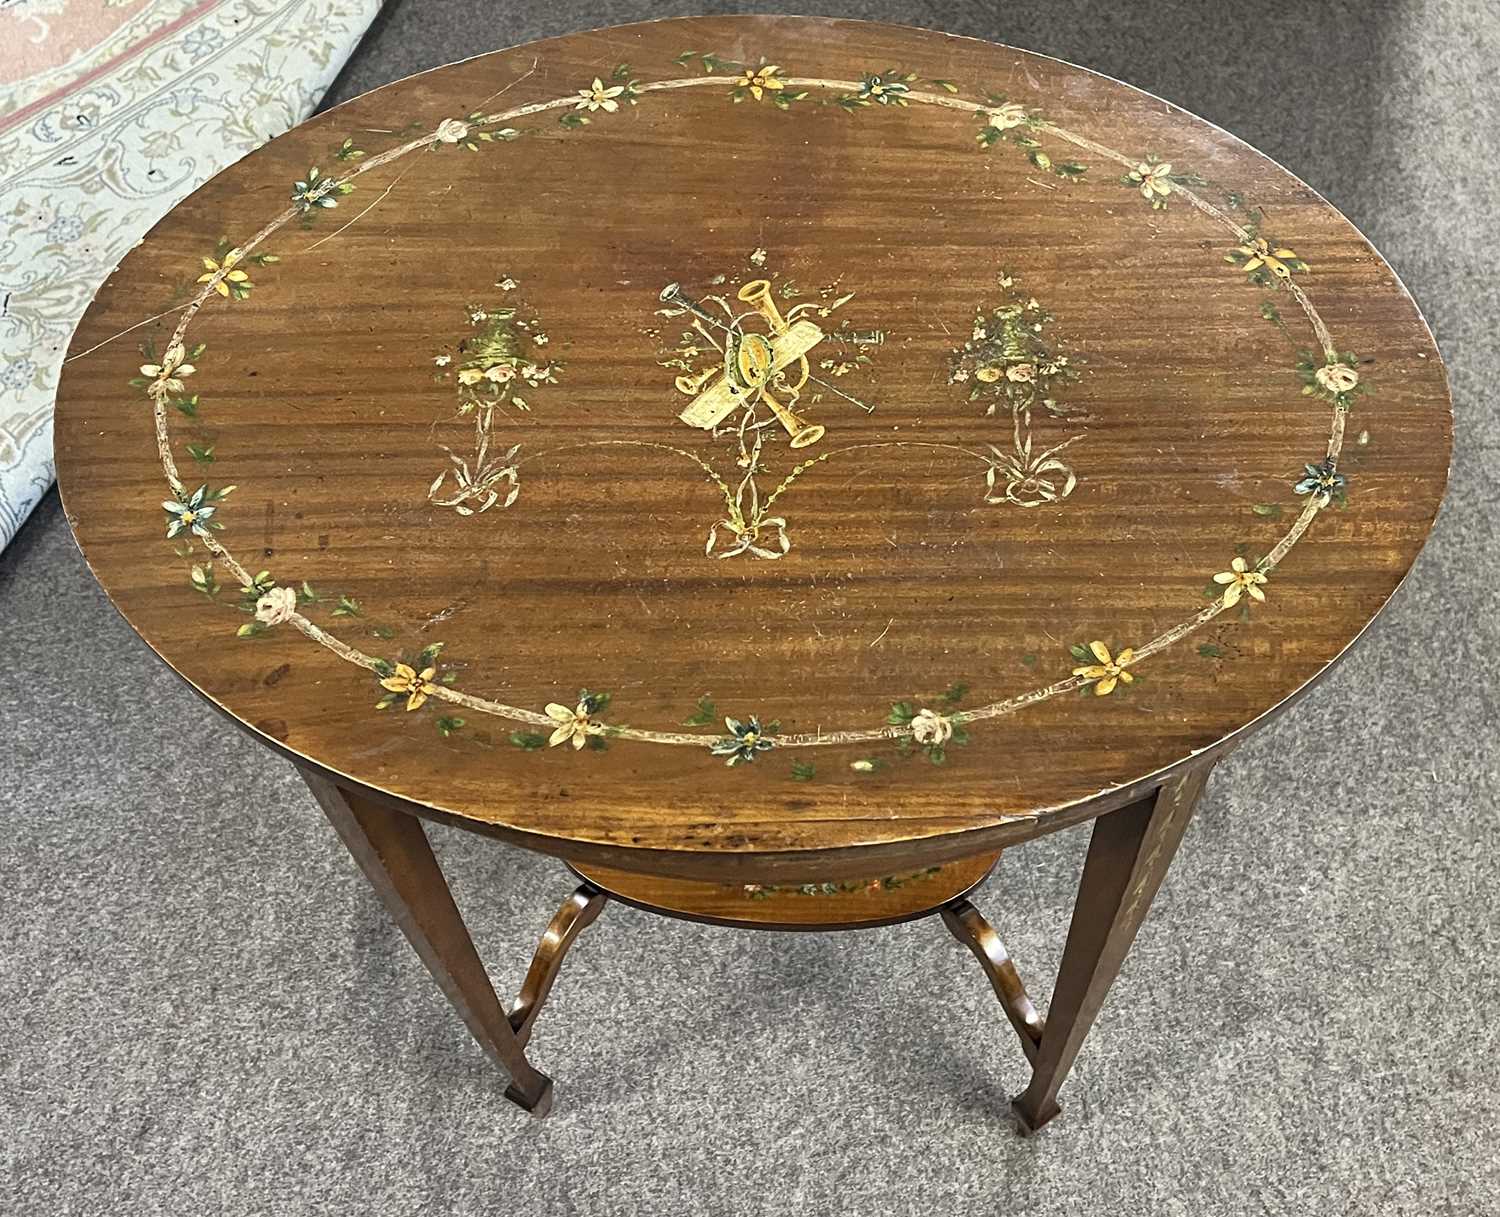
point(110, 112)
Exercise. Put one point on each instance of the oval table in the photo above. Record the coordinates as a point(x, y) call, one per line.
point(774, 465)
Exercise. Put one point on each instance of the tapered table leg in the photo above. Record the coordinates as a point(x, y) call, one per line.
point(1128, 857)
point(392, 850)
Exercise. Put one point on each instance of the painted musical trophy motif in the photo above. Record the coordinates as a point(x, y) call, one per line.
point(754, 358)
point(753, 363)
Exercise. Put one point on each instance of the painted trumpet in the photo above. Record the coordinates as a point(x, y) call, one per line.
point(693, 385)
point(751, 361)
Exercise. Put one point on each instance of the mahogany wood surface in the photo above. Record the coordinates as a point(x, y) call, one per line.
point(1061, 384)
point(814, 905)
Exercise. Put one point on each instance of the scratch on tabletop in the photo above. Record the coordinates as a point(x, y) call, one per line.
point(529, 71)
point(123, 332)
point(380, 198)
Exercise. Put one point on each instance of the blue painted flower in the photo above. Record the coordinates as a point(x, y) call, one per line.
point(315, 190)
point(745, 740)
point(1322, 480)
point(192, 513)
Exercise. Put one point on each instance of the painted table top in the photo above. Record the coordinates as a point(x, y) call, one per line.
point(753, 444)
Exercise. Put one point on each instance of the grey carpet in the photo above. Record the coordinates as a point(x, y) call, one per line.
point(203, 1010)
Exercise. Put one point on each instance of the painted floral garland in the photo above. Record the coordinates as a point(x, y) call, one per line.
point(1326, 373)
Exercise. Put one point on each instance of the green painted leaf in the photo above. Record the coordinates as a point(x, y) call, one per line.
point(528, 741)
point(204, 580)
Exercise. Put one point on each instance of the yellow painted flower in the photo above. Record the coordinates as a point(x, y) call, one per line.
point(1154, 180)
point(575, 725)
point(1110, 669)
point(406, 679)
point(759, 80)
point(1240, 580)
point(1258, 252)
point(597, 97)
point(229, 275)
point(989, 375)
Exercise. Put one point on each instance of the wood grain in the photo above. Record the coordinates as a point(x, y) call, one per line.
point(323, 398)
point(825, 905)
